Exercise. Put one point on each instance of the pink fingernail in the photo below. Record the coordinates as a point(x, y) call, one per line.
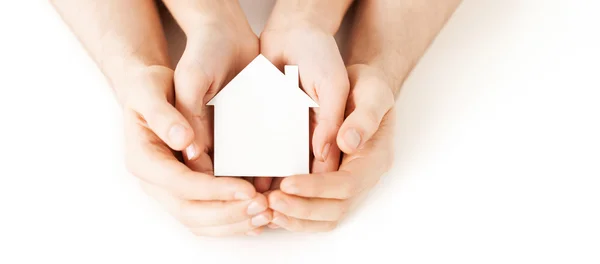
point(260, 220)
point(191, 152)
point(325, 151)
point(255, 208)
point(352, 138)
point(177, 134)
point(291, 189)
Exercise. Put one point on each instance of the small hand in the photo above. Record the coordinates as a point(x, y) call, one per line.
point(317, 202)
point(322, 76)
point(216, 51)
point(207, 205)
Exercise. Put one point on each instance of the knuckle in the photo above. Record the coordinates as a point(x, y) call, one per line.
point(190, 78)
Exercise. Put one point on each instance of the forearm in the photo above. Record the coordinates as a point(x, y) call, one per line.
point(192, 15)
point(326, 15)
point(121, 36)
point(392, 35)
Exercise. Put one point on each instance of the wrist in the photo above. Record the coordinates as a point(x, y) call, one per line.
point(194, 16)
point(391, 73)
point(323, 15)
point(128, 82)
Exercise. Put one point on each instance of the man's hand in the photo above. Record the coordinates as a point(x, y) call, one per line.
point(317, 202)
point(293, 36)
point(207, 205)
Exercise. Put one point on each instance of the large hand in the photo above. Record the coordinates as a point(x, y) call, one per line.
point(322, 76)
point(208, 205)
point(317, 202)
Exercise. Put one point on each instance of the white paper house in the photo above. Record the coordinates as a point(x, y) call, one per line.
point(261, 123)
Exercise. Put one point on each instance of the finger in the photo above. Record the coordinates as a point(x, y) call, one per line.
point(256, 231)
point(299, 225)
point(206, 213)
point(240, 228)
point(151, 102)
point(370, 99)
point(308, 208)
point(154, 163)
point(262, 184)
point(332, 93)
point(191, 85)
point(356, 173)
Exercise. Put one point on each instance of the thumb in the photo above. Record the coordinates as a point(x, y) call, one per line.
point(370, 99)
point(152, 103)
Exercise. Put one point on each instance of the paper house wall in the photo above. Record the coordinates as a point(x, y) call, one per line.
point(261, 123)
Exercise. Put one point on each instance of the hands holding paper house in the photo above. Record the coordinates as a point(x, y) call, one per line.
point(281, 131)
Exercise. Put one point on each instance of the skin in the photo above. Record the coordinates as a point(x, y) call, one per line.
point(164, 111)
point(301, 32)
point(159, 124)
point(377, 67)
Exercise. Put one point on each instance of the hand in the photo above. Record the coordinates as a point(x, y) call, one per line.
point(322, 76)
point(317, 202)
point(207, 205)
point(218, 47)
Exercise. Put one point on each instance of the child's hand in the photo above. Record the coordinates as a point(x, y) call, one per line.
point(316, 202)
point(220, 43)
point(207, 205)
point(322, 76)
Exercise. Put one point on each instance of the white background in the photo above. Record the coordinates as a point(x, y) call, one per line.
point(498, 153)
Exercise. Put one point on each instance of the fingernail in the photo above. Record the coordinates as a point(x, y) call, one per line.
point(260, 220)
point(352, 138)
point(177, 134)
point(273, 226)
point(191, 152)
point(325, 151)
point(280, 220)
point(241, 196)
point(279, 205)
point(254, 232)
point(290, 188)
point(255, 208)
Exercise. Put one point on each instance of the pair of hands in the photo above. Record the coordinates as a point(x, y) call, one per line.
point(166, 113)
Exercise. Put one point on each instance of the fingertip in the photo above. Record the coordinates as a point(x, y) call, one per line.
point(180, 137)
point(289, 186)
point(242, 190)
point(349, 140)
point(323, 137)
point(274, 197)
point(280, 219)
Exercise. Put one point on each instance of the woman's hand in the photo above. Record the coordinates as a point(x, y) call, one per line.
point(207, 205)
point(293, 38)
point(317, 202)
